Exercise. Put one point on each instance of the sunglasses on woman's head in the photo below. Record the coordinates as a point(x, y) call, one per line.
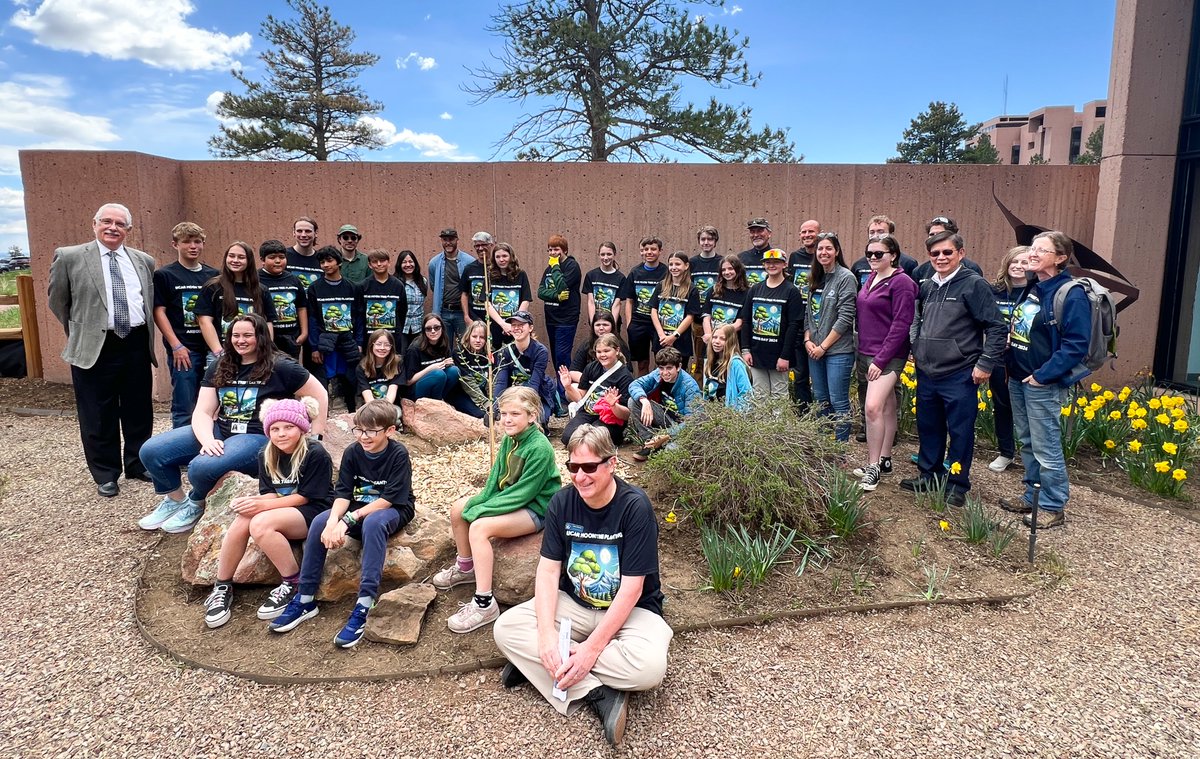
point(587, 467)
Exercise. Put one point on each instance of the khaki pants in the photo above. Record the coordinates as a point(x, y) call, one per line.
point(635, 659)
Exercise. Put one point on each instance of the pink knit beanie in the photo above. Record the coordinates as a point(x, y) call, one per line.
point(286, 410)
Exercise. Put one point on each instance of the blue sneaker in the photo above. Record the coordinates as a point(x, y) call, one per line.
point(184, 519)
point(352, 633)
point(296, 612)
point(165, 509)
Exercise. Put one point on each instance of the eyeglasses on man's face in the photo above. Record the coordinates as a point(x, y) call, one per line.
point(363, 432)
point(587, 467)
point(118, 223)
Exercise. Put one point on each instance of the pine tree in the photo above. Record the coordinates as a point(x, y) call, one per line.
point(936, 135)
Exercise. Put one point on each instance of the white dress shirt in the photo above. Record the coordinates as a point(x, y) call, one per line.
point(133, 286)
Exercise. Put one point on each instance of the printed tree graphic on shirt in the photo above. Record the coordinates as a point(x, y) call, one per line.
point(189, 309)
point(595, 572)
point(285, 307)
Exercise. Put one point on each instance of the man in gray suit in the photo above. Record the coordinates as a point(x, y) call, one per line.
point(103, 293)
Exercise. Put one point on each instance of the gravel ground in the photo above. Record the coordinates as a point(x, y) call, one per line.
point(1103, 665)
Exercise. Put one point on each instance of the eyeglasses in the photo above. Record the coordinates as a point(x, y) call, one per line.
point(434, 328)
point(112, 223)
point(876, 253)
point(349, 237)
point(941, 253)
point(587, 467)
point(1043, 252)
point(361, 432)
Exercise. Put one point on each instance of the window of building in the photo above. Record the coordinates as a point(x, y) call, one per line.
point(1101, 111)
point(1076, 139)
point(1015, 158)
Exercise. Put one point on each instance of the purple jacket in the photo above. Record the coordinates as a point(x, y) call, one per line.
point(885, 315)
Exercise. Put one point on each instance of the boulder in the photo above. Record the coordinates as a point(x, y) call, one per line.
point(438, 423)
point(516, 561)
point(338, 437)
point(411, 551)
point(398, 614)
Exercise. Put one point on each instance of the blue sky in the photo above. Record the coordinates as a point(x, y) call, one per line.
point(844, 77)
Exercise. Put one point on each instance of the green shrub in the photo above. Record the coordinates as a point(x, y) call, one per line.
point(763, 466)
point(845, 509)
point(738, 559)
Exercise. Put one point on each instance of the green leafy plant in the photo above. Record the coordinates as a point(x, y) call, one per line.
point(730, 466)
point(738, 559)
point(974, 522)
point(810, 552)
point(845, 507)
point(931, 590)
point(932, 494)
point(1000, 536)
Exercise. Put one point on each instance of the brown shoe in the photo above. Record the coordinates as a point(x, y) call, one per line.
point(1020, 506)
point(658, 441)
point(1046, 519)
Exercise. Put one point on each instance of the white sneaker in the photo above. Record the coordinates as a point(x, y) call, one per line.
point(165, 509)
point(184, 519)
point(1000, 463)
point(452, 576)
point(470, 617)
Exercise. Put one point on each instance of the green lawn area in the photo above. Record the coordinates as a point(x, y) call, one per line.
point(10, 317)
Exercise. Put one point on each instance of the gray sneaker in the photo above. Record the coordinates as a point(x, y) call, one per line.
point(165, 509)
point(184, 519)
point(452, 576)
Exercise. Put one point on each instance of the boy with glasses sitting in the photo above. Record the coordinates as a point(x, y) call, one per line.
point(373, 500)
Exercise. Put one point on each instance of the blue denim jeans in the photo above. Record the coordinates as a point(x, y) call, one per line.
point(830, 376)
point(1035, 417)
point(185, 388)
point(165, 455)
point(438, 384)
point(560, 339)
point(373, 531)
point(455, 324)
point(947, 406)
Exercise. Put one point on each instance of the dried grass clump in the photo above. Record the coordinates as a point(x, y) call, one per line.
point(764, 466)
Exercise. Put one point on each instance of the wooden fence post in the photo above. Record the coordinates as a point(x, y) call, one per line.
point(29, 326)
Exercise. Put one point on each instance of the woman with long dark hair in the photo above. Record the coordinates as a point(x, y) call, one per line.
point(235, 290)
point(226, 434)
point(416, 288)
point(829, 331)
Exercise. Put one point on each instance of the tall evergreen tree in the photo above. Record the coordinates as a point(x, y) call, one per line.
point(604, 77)
point(309, 105)
point(1094, 148)
point(983, 151)
point(936, 135)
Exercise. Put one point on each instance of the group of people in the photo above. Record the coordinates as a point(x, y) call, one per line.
point(252, 352)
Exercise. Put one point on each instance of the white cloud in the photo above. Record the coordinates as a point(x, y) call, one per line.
point(428, 144)
point(734, 10)
point(34, 104)
point(154, 33)
point(425, 64)
point(445, 116)
point(12, 212)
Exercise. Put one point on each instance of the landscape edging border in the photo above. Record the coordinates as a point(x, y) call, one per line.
point(496, 662)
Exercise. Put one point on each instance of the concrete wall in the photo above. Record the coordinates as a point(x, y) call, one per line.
point(403, 205)
point(1141, 135)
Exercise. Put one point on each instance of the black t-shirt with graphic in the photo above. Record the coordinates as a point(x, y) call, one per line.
point(508, 293)
point(598, 547)
point(364, 477)
point(704, 275)
point(314, 481)
point(771, 318)
point(581, 359)
point(239, 401)
point(671, 313)
point(604, 288)
point(752, 260)
point(621, 379)
point(385, 305)
point(416, 359)
point(473, 286)
point(377, 386)
point(334, 307)
point(177, 289)
point(725, 308)
point(212, 304)
point(306, 268)
point(639, 288)
point(286, 294)
point(472, 366)
point(800, 268)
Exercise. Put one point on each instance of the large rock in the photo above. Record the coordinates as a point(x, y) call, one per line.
point(338, 437)
point(411, 551)
point(398, 614)
point(438, 422)
point(516, 561)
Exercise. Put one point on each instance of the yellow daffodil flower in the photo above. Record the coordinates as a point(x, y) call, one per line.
point(1114, 415)
point(1154, 403)
point(671, 518)
point(946, 525)
point(1138, 424)
point(1109, 444)
point(1162, 466)
point(1180, 425)
point(1096, 388)
point(1135, 445)
point(1179, 475)
point(1170, 449)
point(955, 468)
point(1163, 419)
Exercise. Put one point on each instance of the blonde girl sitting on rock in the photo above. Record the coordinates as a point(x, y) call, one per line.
point(295, 484)
point(512, 503)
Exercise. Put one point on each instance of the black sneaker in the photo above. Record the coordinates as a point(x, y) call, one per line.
point(218, 607)
point(612, 707)
point(277, 601)
point(956, 498)
point(861, 436)
point(870, 478)
point(511, 677)
point(885, 465)
point(641, 454)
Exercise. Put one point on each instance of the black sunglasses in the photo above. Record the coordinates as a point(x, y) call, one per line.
point(877, 253)
point(587, 467)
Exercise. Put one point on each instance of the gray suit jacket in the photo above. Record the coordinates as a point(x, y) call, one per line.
point(78, 299)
